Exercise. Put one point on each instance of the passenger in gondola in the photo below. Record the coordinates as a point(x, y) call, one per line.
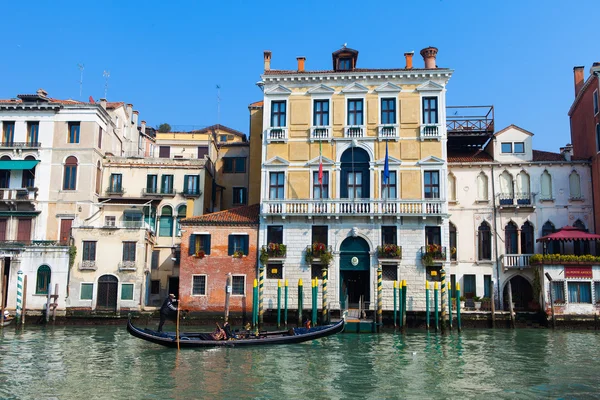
point(307, 324)
point(219, 333)
point(227, 330)
point(167, 310)
point(6, 315)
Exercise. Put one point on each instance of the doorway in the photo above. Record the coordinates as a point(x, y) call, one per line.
point(107, 292)
point(355, 279)
point(5, 278)
point(174, 286)
point(522, 293)
point(356, 285)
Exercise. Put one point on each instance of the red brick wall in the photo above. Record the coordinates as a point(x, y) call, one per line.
point(216, 266)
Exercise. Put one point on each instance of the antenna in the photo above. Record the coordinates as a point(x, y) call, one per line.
point(81, 67)
point(106, 75)
point(218, 104)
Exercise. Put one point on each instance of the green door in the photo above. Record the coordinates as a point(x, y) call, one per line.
point(355, 263)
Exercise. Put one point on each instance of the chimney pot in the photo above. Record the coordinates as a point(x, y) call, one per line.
point(103, 103)
point(578, 78)
point(429, 55)
point(409, 59)
point(267, 58)
point(301, 61)
point(567, 151)
point(143, 127)
point(42, 92)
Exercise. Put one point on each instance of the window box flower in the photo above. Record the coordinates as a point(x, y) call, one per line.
point(319, 253)
point(389, 251)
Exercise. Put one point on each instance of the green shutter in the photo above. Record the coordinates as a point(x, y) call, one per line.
point(246, 240)
point(127, 291)
point(192, 248)
point(230, 247)
point(207, 244)
point(87, 290)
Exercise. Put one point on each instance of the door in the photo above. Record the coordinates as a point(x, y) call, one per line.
point(5, 278)
point(355, 262)
point(174, 286)
point(107, 292)
point(65, 231)
point(355, 284)
point(2, 230)
point(24, 230)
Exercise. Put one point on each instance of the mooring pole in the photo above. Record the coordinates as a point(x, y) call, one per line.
point(443, 298)
point(400, 310)
point(261, 284)
point(379, 299)
point(427, 305)
point(255, 304)
point(285, 304)
point(24, 300)
point(435, 300)
point(395, 301)
point(54, 303)
point(510, 306)
point(2, 291)
point(551, 300)
point(450, 305)
point(324, 307)
point(493, 303)
point(20, 297)
point(404, 296)
point(315, 287)
point(278, 303)
point(227, 294)
point(458, 325)
point(300, 301)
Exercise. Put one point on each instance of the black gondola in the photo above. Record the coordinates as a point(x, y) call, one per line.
point(189, 339)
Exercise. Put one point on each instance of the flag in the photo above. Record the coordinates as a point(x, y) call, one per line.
point(320, 165)
point(386, 166)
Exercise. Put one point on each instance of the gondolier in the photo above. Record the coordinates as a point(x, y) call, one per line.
point(167, 310)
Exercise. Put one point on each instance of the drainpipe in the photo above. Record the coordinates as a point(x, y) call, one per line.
point(593, 200)
point(495, 234)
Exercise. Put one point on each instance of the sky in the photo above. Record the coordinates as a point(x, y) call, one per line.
point(167, 57)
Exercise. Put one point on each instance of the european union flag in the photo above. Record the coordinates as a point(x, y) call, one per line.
point(386, 166)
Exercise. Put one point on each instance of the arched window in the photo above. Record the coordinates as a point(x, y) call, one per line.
point(511, 238)
point(527, 243)
point(484, 234)
point(70, 175)
point(546, 180)
point(453, 244)
point(551, 246)
point(98, 177)
point(574, 186)
point(451, 187)
point(482, 187)
point(5, 174)
point(507, 191)
point(181, 213)
point(28, 180)
point(598, 137)
point(523, 188)
point(166, 222)
point(43, 280)
point(355, 172)
point(581, 246)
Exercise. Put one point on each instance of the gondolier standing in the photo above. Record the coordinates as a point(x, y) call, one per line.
point(166, 310)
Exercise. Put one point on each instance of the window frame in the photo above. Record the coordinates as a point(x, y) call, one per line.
point(81, 291)
point(595, 101)
point(431, 186)
point(481, 241)
point(47, 271)
point(115, 183)
point(385, 272)
point(385, 188)
point(277, 186)
point(87, 247)
point(556, 284)
point(515, 147)
point(278, 115)
point(321, 114)
point(274, 275)
point(70, 171)
point(205, 285)
point(74, 129)
point(275, 232)
point(510, 146)
point(33, 135)
point(233, 247)
point(164, 178)
point(244, 285)
point(578, 284)
point(320, 189)
point(8, 135)
point(355, 113)
point(428, 110)
point(129, 249)
point(344, 64)
point(387, 231)
point(195, 187)
point(132, 291)
point(387, 112)
point(244, 195)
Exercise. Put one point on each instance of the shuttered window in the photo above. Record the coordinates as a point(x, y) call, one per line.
point(238, 243)
point(198, 243)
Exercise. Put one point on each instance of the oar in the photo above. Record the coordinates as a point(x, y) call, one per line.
point(177, 326)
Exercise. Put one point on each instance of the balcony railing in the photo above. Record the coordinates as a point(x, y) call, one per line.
point(133, 224)
point(274, 250)
point(278, 134)
point(515, 261)
point(115, 191)
point(430, 131)
point(354, 132)
point(22, 194)
point(389, 252)
point(518, 199)
point(318, 133)
point(158, 192)
point(350, 207)
point(388, 132)
point(433, 253)
point(191, 192)
point(19, 145)
point(127, 266)
point(88, 265)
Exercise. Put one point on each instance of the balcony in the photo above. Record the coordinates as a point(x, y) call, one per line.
point(19, 145)
point(389, 253)
point(431, 132)
point(354, 131)
point(88, 265)
point(356, 207)
point(115, 191)
point(519, 261)
point(433, 254)
point(273, 252)
point(127, 266)
point(278, 134)
point(509, 200)
point(191, 192)
point(22, 194)
point(320, 133)
point(319, 253)
point(154, 192)
point(388, 132)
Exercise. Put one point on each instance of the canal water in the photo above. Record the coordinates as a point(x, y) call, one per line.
point(105, 362)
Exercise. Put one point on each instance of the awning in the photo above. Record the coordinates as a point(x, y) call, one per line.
point(132, 211)
point(569, 234)
point(18, 164)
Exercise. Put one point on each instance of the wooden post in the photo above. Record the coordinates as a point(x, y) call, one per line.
point(510, 306)
point(395, 301)
point(427, 305)
point(2, 291)
point(48, 305)
point(493, 303)
point(24, 299)
point(551, 302)
point(400, 309)
point(278, 303)
point(177, 327)
point(450, 305)
point(379, 299)
point(54, 304)
point(227, 294)
point(300, 302)
point(285, 304)
point(436, 305)
point(404, 295)
point(458, 323)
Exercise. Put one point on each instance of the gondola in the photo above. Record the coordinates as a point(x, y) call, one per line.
point(189, 339)
point(7, 322)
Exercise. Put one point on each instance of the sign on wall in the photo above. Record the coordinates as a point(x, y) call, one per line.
point(578, 272)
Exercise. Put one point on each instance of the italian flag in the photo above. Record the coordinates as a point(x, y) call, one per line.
point(320, 165)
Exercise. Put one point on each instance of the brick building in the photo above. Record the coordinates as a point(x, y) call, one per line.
point(213, 246)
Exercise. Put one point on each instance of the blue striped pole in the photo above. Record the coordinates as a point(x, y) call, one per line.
point(19, 296)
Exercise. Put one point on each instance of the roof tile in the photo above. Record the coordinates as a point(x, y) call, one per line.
point(469, 156)
point(245, 215)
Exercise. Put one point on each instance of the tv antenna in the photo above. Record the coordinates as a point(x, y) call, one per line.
point(81, 67)
point(218, 104)
point(106, 75)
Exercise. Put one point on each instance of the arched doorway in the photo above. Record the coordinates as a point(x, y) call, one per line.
point(522, 293)
point(355, 263)
point(355, 178)
point(107, 292)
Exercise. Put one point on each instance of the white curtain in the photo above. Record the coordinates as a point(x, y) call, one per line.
point(523, 183)
point(546, 186)
point(574, 185)
point(506, 184)
point(482, 187)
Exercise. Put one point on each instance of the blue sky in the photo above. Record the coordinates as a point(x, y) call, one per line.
point(167, 59)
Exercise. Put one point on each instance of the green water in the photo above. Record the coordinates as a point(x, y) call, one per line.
point(106, 363)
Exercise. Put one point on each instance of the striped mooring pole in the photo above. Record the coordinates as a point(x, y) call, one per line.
point(261, 284)
point(404, 297)
point(427, 304)
point(395, 301)
point(400, 319)
point(458, 306)
point(324, 310)
point(379, 299)
point(300, 301)
point(450, 305)
point(255, 303)
point(435, 300)
point(443, 298)
point(278, 303)
point(285, 303)
point(315, 296)
point(19, 296)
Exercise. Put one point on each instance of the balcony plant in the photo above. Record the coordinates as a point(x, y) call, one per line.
point(477, 302)
point(238, 254)
point(462, 301)
point(389, 251)
point(318, 251)
point(568, 259)
point(272, 250)
point(200, 254)
point(433, 252)
point(486, 303)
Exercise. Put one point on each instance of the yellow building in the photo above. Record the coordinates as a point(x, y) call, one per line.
point(379, 138)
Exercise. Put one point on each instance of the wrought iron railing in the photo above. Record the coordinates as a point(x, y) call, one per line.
point(434, 252)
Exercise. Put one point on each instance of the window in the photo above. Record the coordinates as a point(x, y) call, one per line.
point(319, 234)
point(433, 235)
point(388, 111)
point(155, 286)
point(344, 64)
point(519, 147)
point(484, 240)
point(469, 286)
point(581, 247)
point(28, 179)
point(8, 136)
point(238, 285)
point(132, 218)
point(278, 114)
point(274, 271)
point(320, 190)
point(321, 113)
point(580, 292)
point(70, 174)
point(506, 147)
point(191, 184)
point(433, 277)
point(511, 238)
point(507, 191)
point(155, 259)
point(276, 180)
point(453, 244)
point(33, 132)
point(239, 195)
point(166, 184)
point(355, 112)
point(199, 243)
point(164, 151)
point(275, 234)
point(202, 151)
point(110, 220)
point(165, 228)
point(181, 214)
point(482, 187)
point(574, 186)
point(43, 280)
point(73, 132)
point(127, 291)
point(115, 183)
point(238, 244)
point(354, 185)
point(98, 177)
point(595, 102)
point(451, 187)
point(432, 184)
point(487, 282)
point(551, 247)
point(234, 165)
point(389, 235)
point(100, 138)
point(558, 291)
point(89, 251)
point(198, 285)
point(523, 188)
point(546, 183)
point(597, 137)
point(316, 271)
point(597, 292)
point(389, 189)
point(430, 110)
point(151, 183)
point(129, 251)
point(87, 291)
point(389, 272)
point(223, 138)
point(527, 244)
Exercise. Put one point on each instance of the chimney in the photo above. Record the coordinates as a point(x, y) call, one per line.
point(130, 111)
point(42, 92)
point(567, 151)
point(136, 115)
point(578, 77)
point(429, 54)
point(143, 127)
point(103, 103)
point(301, 63)
point(409, 57)
point(267, 56)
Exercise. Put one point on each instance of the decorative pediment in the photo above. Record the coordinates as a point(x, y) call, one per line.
point(513, 127)
point(388, 87)
point(355, 88)
point(429, 86)
point(315, 161)
point(279, 89)
point(276, 162)
point(321, 89)
point(431, 160)
point(391, 161)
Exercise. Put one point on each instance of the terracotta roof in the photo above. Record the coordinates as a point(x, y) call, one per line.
point(220, 127)
point(114, 104)
point(257, 104)
point(18, 101)
point(468, 156)
point(539, 155)
point(245, 215)
point(356, 70)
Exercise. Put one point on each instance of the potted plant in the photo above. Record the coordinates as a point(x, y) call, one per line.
point(200, 254)
point(477, 301)
point(238, 254)
point(486, 303)
point(389, 251)
point(462, 302)
point(454, 303)
point(318, 251)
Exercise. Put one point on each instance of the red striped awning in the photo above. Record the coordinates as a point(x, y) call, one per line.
point(569, 234)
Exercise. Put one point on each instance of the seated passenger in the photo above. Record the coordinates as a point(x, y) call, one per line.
point(227, 330)
point(218, 334)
